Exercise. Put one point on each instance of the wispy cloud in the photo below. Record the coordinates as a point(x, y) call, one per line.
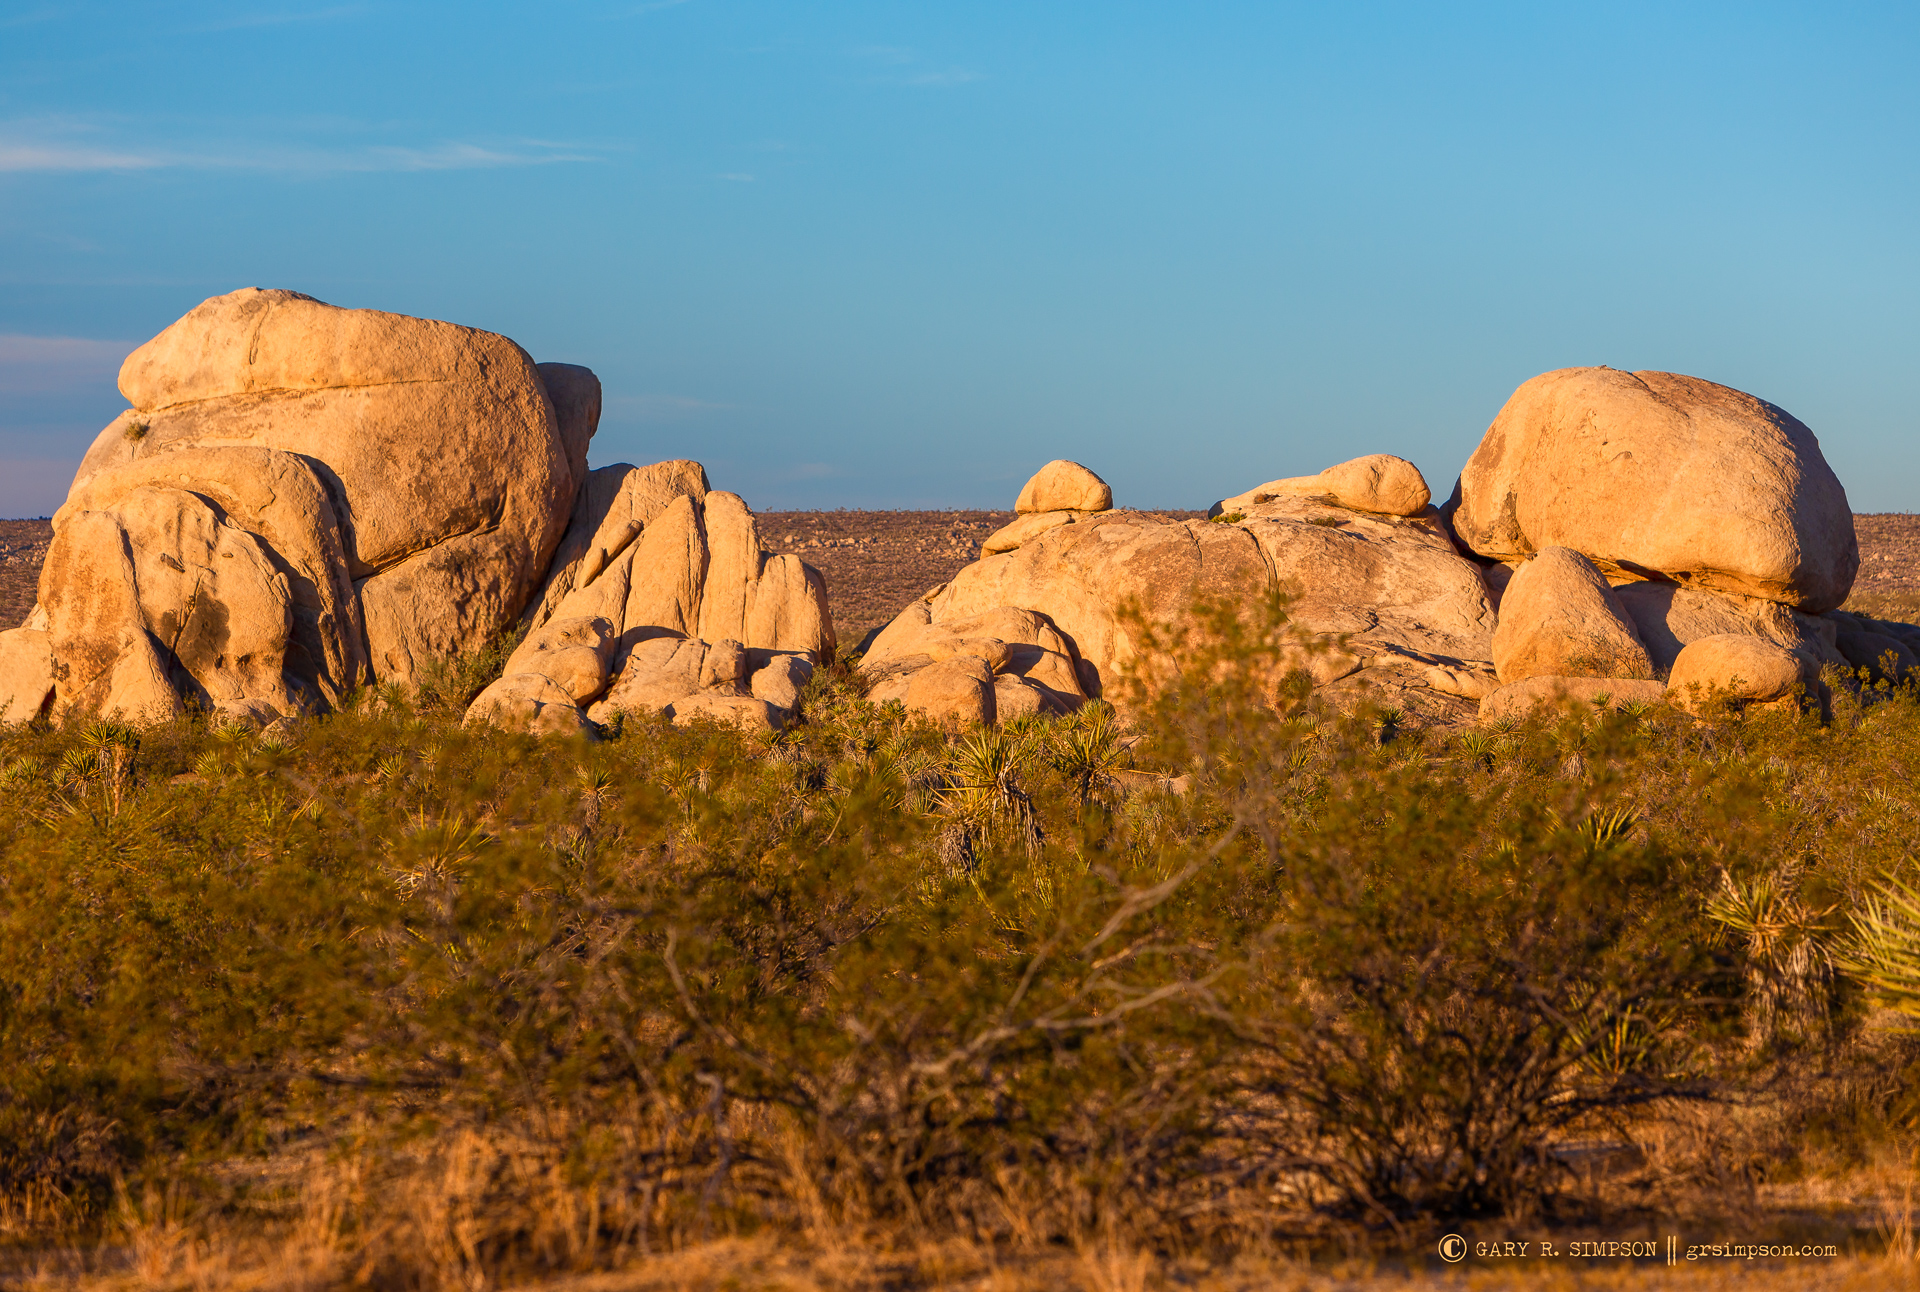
point(24, 156)
point(46, 365)
point(240, 22)
point(21, 151)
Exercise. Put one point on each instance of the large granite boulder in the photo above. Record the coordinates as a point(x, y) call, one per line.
point(302, 498)
point(439, 444)
point(1650, 474)
point(1740, 669)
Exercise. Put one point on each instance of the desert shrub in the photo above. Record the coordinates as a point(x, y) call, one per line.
point(505, 1004)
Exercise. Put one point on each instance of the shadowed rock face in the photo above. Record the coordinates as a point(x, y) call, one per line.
point(1654, 474)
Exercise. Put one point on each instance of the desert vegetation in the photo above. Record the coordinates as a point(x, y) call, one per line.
point(1220, 982)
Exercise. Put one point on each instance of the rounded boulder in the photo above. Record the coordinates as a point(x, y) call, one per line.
point(1558, 618)
point(1656, 473)
point(1063, 486)
point(1737, 667)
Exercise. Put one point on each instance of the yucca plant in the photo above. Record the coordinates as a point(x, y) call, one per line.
point(1883, 954)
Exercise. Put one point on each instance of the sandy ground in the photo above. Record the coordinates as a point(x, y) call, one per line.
point(875, 562)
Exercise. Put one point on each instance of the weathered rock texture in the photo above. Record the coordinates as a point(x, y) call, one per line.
point(1378, 482)
point(1650, 474)
point(439, 446)
point(1558, 618)
point(301, 498)
point(1412, 613)
point(698, 620)
point(305, 498)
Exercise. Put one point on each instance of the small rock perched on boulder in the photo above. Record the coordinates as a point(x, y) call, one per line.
point(1063, 486)
point(1060, 493)
point(1378, 482)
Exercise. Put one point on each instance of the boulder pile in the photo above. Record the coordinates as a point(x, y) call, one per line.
point(304, 499)
point(1617, 536)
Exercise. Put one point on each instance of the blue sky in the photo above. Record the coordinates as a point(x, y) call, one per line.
point(896, 254)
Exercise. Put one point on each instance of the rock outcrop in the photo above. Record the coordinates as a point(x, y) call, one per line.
point(1650, 474)
point(1412, 613)
point(303, 498)
point(693, 610)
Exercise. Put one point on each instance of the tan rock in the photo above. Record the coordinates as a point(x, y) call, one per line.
point(439, 445)
point(753, 716)
point(788, 609)
point(104, 661)
point(530, 702)
point(1378, 482)
point(724, 668)
point(1063, 486)
point(575, 394)
point(1737, 667)
point(1008, 640)
point(656, 672)
point(1517, 699)
point(1015, 697)
point(212, 601)
point(954, 692)
point(26, 674)
point(1560, 619)
point(668, 571)
point(576, 653)
point(611, 510)
point(281, 500)
point(781, 680)
point(1669, 617)
point(733, 567)
point(1654, 473)
point(1383, 584)
point(1468, 683)
point(1010, 536)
